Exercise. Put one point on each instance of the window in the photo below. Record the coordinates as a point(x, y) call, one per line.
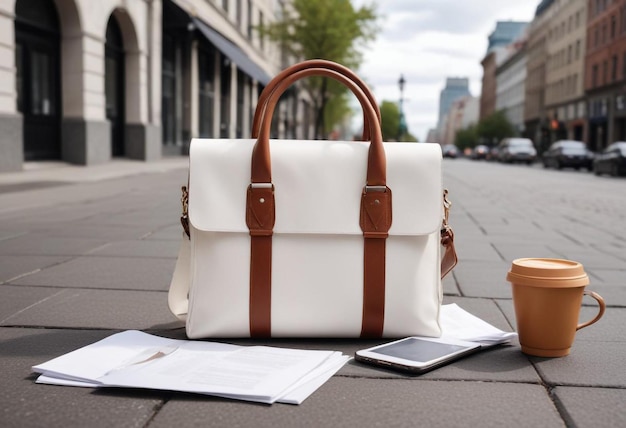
point(613, 25)
point(249, 19)
point(569, 54)
point(238, 13)
point(624, 65)
point(594, 76)
point(206, 91)
point(225, 5)
point(577, 54)
point(225, 76)
point(605, 72)
point(614, 68)
point(262, 39)
point(242, 81)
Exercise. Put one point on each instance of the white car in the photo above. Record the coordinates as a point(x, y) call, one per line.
point(517, 150)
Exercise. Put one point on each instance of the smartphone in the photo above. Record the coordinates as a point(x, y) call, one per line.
point(416, 354)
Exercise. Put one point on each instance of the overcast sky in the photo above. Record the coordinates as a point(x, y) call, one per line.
point(427, 41)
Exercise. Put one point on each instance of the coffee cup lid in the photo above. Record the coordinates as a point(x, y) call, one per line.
point(547, 272)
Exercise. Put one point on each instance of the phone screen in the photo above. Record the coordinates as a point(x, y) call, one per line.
point(418, 350)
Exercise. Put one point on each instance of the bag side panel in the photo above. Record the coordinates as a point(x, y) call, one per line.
point(219, 294)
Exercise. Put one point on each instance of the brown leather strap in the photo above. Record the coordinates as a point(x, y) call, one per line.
point(375, 213)
point(377, 165)
point(449, 260)
point(375, 221)
point(261, 293)
point(313, 63)
point(260, 218)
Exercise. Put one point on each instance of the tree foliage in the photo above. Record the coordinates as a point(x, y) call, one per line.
point(330, 29)
point(495, 127)
point(488, 131)
point(390, 123)
point(466, 138)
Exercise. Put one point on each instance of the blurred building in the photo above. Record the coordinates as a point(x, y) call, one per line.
point(432, 136)
point(535, 119)
point(456, 87)
point(462, 114)
point(505, 33)
point(511, 83)
point(85, 81)
point(605, 73)
point(565, 50)
point(500, 40)
point(489, 83)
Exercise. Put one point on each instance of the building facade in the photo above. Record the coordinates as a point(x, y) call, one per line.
point(605, 72)
point(564, 91)
point(488, 89)
point(462, 114)
point(86, 81)
point(456, 87)
point(511, 84)
point(505, 33)
point(535, 119)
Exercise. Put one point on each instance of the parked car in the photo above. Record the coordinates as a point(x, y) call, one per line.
point(612, 160)
point(480, 152)
point(568, 153)
point(449, 151)
point(493, 153)
point(512, 150)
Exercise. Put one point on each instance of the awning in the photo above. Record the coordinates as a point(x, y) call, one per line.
point(233, 52)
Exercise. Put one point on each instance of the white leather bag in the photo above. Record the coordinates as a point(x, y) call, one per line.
point(312, 238)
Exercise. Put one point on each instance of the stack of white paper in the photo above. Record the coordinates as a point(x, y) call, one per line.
point(255, 373)
point(139, 360)
point(457, 323)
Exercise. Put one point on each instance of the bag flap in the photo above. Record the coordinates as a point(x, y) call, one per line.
point(318, 185)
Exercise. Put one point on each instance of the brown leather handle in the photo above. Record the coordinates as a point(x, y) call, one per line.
point(376, 165)
point(312, 63)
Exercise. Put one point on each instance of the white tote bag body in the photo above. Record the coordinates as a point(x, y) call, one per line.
point(317, 244)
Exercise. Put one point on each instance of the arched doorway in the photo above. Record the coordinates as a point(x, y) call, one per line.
point(114, 85)
point(37, 60)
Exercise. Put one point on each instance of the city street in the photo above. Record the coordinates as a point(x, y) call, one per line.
point(88, 251)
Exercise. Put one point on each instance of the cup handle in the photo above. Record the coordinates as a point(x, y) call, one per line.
point(600, 301)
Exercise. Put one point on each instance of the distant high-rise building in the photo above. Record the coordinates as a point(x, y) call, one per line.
point(505, 33)
point(456, 87)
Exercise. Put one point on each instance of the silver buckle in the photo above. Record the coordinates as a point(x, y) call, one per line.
point(261, 185)
point(375, 189)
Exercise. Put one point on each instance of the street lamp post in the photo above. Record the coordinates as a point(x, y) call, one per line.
point(402, 123)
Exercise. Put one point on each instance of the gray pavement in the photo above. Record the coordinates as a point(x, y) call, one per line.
point(88, 251)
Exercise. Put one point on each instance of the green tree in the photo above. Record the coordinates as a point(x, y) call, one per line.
point(390, 120)
point(390, 123)
point(466, 138)
point(495, 127)
point(330, 29)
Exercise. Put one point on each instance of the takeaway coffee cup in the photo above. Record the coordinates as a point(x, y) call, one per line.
point(547, 295)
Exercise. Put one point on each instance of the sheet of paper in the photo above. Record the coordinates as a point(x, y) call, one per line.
point(295, 395)
point(457, 323)
point(138, 360)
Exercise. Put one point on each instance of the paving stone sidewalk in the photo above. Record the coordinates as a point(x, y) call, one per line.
point(87, 252)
